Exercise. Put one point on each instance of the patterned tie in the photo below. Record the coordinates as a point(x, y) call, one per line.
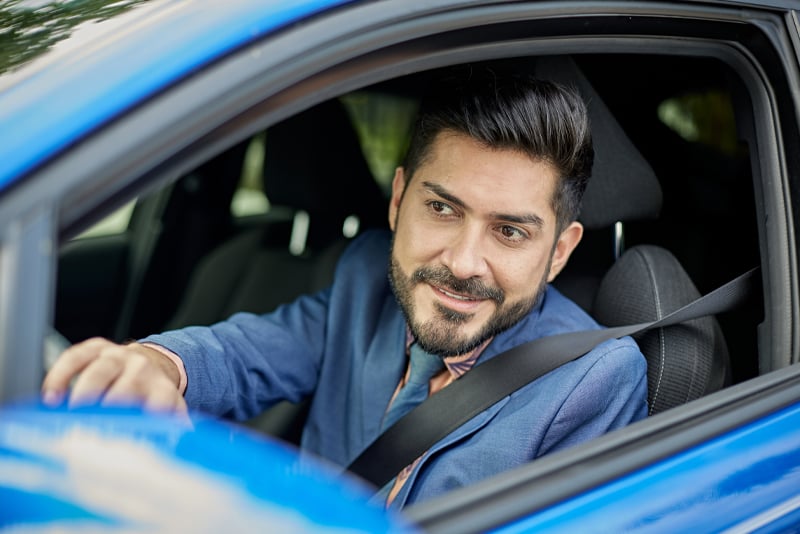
point(423, 367)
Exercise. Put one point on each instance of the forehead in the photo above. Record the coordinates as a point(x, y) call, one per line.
point(486, 177)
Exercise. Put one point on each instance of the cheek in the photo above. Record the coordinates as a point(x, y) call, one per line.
point(520, 276)
point(405, 249)
point(416, 241)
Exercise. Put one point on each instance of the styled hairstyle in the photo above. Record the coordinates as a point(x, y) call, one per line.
point(539, 118)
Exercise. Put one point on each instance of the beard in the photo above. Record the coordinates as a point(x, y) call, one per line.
point(440, 334)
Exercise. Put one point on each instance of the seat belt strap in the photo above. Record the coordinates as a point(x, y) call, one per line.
point(488, 383)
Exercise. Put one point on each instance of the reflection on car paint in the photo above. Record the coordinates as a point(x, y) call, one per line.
point(121, 470)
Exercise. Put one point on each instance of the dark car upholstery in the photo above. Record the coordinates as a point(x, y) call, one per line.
point(314, 167)
point(646, 282)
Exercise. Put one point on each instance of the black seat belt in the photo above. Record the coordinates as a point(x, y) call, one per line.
point(495, 379)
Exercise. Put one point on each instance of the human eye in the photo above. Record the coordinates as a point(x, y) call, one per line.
point(512, 234)
point(439, 208)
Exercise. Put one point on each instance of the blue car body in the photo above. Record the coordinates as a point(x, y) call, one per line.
point(736, 469)
point(61, 101)
point(66, 476)
point(746, 479)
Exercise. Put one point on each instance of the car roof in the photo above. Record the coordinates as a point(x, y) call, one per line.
point(79, 83)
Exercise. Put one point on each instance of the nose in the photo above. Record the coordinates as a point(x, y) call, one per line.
point(465, 254)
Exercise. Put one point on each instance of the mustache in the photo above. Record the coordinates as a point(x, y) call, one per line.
point(442, 277)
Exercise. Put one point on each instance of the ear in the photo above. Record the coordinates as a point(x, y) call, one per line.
point(567, 241)
point(398, 187)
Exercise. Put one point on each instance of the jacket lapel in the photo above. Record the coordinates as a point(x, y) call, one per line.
point(384, 364)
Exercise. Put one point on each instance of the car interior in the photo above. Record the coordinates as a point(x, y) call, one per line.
point(669, 215)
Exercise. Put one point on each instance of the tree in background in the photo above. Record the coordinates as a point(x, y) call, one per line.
point(29, 28)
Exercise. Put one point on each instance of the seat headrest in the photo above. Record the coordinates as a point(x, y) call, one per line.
point(685, 361)
point(623, 186)
point(313, 162)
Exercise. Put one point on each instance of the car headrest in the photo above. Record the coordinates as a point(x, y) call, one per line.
point(313, 162)
point(623, 186)
point(685, 361)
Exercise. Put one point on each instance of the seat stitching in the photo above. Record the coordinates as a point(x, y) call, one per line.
point(695, 363)
point(662, 352)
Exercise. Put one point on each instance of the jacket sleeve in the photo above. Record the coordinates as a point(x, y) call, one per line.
point(611, 394)
point(240, 366)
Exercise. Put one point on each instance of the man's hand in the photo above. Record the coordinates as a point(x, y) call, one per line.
point(114, 375)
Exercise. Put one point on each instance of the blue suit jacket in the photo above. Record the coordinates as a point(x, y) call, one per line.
point(345, 346)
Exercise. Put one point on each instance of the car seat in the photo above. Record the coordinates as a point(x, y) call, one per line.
point(685, 361)
point(645, 282)
point(314, 169)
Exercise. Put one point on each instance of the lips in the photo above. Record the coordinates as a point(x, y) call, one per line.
point(459, 295)
point(456, 295)
point(457, 302)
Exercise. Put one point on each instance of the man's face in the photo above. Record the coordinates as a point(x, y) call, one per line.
point(474, 242)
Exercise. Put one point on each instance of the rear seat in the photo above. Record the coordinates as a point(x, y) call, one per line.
point(314, 166)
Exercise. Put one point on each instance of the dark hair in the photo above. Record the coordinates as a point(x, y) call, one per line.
point(539, 118)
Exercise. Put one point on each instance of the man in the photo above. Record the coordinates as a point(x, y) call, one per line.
point(483, 215)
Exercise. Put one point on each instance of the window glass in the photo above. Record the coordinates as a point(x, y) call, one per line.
point(702, 117)
point(249, 198)
point(113, 224)
point(383, 122)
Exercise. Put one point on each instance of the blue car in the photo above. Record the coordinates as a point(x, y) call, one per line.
point(166, 163)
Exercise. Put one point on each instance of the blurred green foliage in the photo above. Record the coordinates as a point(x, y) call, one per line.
point(705, 117)
point(30, 28)
point(383, 123)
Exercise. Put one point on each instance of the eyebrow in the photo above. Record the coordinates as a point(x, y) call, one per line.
point(526, 218)
point(442, 192)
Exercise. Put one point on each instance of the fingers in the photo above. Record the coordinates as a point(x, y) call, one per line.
point(97, 377)
point(70, 364)
point(113, 375)
point(142, 384)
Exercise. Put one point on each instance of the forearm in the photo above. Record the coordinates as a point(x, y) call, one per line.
point(240, 366)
